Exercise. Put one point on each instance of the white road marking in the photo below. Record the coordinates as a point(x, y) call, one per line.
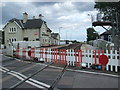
point(41, 83)
point(22, 77)
point(33, 80)
point(97, 73)
point(2, 70)
point(25, 81)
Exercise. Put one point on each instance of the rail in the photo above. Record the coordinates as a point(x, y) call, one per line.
point(51, 87)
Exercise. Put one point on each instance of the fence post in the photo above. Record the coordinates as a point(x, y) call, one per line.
point(61, 56)
point(65, 56)
point(17, 52)
point(98, 56)
point(107, 64)
point(79, 57)
point(32, 53)
point(23, 52)
point(57, 56)
point(46, 54)
point(94, 56)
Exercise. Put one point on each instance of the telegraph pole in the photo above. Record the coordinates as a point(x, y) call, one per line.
point(59, 33)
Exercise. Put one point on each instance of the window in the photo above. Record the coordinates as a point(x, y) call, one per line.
point(10, 30)
point(110, 38)
point(14, 39)
point(25, 38)
point(13, 30)
point(37, 39)
point(9, 40)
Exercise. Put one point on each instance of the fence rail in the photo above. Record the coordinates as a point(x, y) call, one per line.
point(72, 57)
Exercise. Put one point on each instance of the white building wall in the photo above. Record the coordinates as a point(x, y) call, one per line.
point(31, 34)
point(44, 38)
point(9, 34)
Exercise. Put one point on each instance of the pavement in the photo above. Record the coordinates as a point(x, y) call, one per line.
point(15, 70)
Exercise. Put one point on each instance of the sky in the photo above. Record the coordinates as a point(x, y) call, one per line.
point(71, 18)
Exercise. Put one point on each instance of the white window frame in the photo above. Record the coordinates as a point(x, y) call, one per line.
point(13, 29)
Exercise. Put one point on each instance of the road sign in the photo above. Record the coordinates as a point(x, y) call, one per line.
point(35, 33)
point(103, 59)
point(29, 53)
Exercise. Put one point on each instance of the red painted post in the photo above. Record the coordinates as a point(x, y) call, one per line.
point(32, 53)
point(17, 52)
point(95, 56)
point(56, 56)
point(41, 52)
point(52, 55)
point(103, 66)
point(102, 52)
point(61, 56)
point(65, 57)
point(23, 53)
point(75, 57)
point(81, 55)
point(46, 54)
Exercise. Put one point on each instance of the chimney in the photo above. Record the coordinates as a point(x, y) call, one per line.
point(25, 17)
point(40, 16)
point(33, 17)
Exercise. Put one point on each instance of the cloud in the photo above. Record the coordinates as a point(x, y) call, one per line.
point(72, 16)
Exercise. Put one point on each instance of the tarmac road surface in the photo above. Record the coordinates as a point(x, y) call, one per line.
point(14, 71)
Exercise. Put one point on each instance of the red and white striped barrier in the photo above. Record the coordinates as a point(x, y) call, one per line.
point(78, 57)
point(63, 56)
point(72, 57)
point(55, 55)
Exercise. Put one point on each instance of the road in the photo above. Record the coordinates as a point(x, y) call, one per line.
point(15, 71)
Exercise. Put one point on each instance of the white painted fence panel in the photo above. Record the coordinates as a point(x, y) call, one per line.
point(88, 57)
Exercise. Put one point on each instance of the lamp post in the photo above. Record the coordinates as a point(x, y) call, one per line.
point(91, 19)
point(59, 34)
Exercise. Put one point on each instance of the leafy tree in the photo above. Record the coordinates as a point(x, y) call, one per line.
point(91, 34)
point(75, 41)
point(109, 9)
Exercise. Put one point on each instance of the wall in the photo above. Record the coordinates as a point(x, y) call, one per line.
point(9, 35)
point(44, 38)
point(30, 33)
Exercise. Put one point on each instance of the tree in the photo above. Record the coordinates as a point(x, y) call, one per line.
point(75, 41)
point(109, 9)
point(91, 34)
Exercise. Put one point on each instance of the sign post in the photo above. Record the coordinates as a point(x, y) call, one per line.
point(103, 59)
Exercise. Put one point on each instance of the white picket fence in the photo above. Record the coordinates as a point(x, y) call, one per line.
point(87, 57)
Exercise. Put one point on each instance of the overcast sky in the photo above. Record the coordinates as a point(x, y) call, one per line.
point(71, 16)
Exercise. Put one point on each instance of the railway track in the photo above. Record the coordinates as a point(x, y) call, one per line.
point(72, 46)
point(46, 75)
point(53, 84)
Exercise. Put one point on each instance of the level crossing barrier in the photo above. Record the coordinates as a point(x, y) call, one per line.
point(73, 57)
